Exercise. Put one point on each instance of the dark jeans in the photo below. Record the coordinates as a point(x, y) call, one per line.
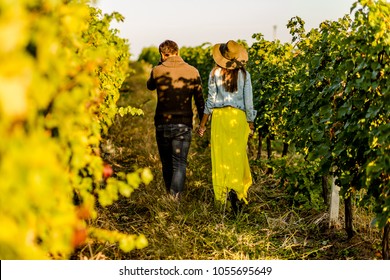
point(173, 142)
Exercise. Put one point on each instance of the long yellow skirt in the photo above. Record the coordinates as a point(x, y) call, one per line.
point(230, 165)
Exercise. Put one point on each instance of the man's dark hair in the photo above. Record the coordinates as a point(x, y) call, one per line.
point(168, 47)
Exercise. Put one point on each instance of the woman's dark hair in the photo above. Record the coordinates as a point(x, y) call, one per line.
point(230, 77)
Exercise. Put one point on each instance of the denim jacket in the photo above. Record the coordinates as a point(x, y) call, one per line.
point(242, 99)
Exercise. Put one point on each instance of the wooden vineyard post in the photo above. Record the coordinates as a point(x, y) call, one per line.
point(385, 242)
point(334, 204)
point(260, 146)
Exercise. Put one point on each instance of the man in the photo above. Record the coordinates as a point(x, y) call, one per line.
point(177, 84)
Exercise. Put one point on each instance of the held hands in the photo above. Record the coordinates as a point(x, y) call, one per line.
point(202, 125)
point(201, 130)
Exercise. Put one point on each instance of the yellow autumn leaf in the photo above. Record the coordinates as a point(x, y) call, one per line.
point(146, 176)
point(13, 97)
point(13, 28)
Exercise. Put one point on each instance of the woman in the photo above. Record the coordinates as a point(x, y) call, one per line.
point(230, 104)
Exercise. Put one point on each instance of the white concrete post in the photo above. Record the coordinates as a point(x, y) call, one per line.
point(334, 204)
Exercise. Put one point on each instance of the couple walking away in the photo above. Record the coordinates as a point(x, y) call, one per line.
point(230, 106)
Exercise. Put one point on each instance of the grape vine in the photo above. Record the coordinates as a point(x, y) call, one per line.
point(326, 95)
point(62, 67)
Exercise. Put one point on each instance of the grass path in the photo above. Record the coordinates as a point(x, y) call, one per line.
point(267, 228)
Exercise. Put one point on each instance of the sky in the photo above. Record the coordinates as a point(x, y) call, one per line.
point(191, 23)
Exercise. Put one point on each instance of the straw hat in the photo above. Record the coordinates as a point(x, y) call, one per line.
point(230, 55)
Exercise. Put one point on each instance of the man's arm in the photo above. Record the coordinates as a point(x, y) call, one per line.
point(199, 100)
point(151, 83)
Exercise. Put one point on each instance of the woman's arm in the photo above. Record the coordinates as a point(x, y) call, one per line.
point(248, 99)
